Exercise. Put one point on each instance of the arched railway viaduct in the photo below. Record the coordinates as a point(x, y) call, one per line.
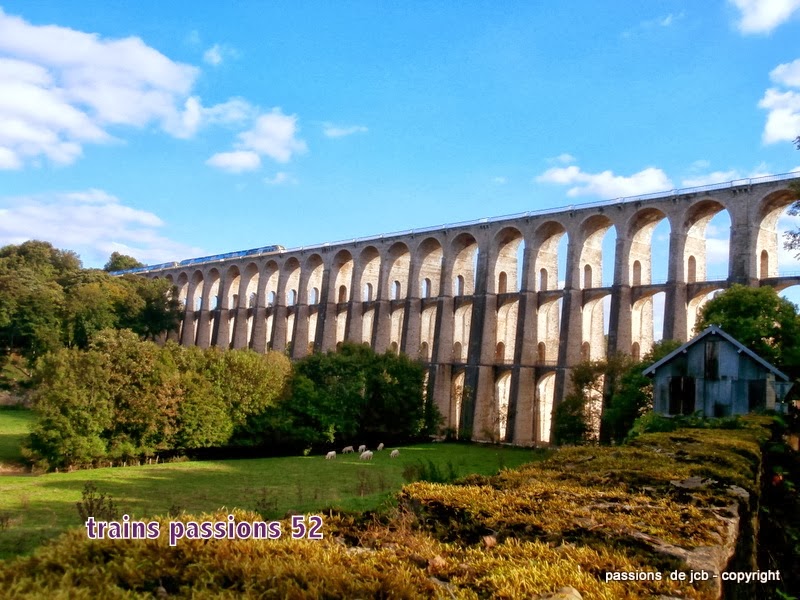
point(483, 303)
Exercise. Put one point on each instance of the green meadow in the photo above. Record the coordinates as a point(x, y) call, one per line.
point(35, 508)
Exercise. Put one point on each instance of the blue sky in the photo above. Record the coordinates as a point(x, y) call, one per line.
point(173, 130)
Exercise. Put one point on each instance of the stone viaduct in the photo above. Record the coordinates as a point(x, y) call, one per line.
point(483, 303)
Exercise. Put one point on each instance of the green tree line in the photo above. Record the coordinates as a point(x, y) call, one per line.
point(124, 398)
point(48, 301)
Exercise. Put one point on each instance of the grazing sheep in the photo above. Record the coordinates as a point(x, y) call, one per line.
point(331, 455)
point(362, 448)
point(380, 446)
point(348, 450)
point(366, 455)
point(394, 454)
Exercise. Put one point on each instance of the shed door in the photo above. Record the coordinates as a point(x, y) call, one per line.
point(681, 395)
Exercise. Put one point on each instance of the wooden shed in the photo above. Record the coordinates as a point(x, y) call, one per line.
point(717, 376)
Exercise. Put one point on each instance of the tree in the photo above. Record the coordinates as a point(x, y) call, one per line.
point(121, 262)
point(353, 392)
point(632, 394)
point(792, 238)
point(761, 320)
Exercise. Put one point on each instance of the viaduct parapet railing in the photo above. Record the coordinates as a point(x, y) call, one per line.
point(499, 309)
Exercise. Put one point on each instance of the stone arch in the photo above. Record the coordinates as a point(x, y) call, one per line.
point(545, 396)
point(229, 305)
point(291, 278)
point(505, 268)
point(197, 291)
point(502, 397)
point(547, 248)
point(399, 258)
point(211, 292)
point(593, 231)
point(342, 275)
point(507, 248)
point(313, 272)
point(182, 284)
point(459, 286)
point(541, 353)
point(587, 277)
point(464, 250)
point(697, 218)
point(636, 353)
point(586, 351)
point(457, 387)
point(271, 279)
point(425, 292)
point(249, 288)
point(429, 257)
point(211, 298)
point(370, 267)
point(636, 278)
point(457, 350)
point(642, 332)
point(502, 283)
point(593, 327)
point(770, 209)
point(230, 293)
point(640, 253)
point(695, 305)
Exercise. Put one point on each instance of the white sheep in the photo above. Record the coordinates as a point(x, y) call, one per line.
point(331, 455)
point(394, 454)
point(380, 446)
point(366, 455)
point(348, 450)
point(362, 448)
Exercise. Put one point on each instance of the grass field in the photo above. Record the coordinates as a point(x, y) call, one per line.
point(37, 508)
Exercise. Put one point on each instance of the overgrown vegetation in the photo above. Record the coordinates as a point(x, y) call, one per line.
point(567, 521)
point(606, 397)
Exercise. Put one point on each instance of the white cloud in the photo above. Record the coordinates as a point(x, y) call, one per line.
point(783, 118)
point(562, 159)
point(61, 88)
point(273, 135)
point(500, 180)
point(336, 131)
point(235, 162)
point(281, 177)
point(710, 178)
point(213, 55)
point(650, 24)
point(762, 16)
point(787, 74)
point(93, 223)
point(218, 53)
point(606, 184)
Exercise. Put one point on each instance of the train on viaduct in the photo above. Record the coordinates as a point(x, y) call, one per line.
point(483, 303)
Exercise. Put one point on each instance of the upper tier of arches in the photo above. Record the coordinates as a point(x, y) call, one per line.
point(524, 254)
